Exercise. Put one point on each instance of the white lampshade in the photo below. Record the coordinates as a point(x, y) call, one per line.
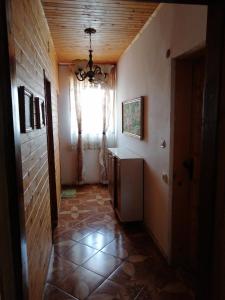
point(80, 64)
point(106, 69)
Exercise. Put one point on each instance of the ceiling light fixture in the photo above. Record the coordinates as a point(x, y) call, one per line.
point(91, 71)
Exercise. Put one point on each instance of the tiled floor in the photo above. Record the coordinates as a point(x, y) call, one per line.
point(97, 258)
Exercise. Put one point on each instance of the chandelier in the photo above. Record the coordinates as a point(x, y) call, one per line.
point(91, 71)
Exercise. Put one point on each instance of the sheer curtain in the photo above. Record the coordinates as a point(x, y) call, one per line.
point(92, 121)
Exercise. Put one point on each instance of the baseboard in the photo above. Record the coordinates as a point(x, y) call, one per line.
point(68, 186)
point(74, 185)
point(157, 244)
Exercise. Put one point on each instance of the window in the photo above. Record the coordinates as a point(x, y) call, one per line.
point(93, 107)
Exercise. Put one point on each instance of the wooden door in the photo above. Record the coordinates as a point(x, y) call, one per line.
point(195, 151)
point(51, 154)
point(13, 248)
point(189, 80)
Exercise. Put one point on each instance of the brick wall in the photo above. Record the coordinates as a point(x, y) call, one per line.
point(35, 52)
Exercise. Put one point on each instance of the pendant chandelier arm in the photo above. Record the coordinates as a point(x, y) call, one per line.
point(81, 75)
point(97, 70)
point(93, 69)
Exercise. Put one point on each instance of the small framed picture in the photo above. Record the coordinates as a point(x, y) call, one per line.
point(40, 112)
point(132, 117)
point(26, 109)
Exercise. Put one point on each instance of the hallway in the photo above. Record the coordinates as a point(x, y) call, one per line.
point(95, 257)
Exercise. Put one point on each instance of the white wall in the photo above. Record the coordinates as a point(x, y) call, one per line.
point(144, 70)
point(67, 153)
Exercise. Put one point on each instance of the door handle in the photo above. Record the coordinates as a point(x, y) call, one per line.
point(188, 164)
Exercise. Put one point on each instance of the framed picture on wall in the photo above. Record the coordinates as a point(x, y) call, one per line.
point(40, 112)
point(132, 117)
point(26, 109)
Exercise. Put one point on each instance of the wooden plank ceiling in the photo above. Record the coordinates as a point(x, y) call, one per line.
point(117, 23)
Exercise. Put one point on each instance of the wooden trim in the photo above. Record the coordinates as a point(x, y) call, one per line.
point(51, 154)
point(157, 244)
point(141, 101)
point(39, 112)
point(13, 253)
point(182, 101)
point(193, 2)
point(23, 93)
point(210, 175)
point(219, 231)
point(68, 186)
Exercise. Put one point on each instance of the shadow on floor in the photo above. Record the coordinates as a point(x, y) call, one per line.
point(95, 257)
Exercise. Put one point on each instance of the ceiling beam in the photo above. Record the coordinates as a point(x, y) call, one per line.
point(193, 2)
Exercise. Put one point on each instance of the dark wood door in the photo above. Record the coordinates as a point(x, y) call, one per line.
point(198, 67)
point(189, 81)
point(13, 248)
point(51, 154)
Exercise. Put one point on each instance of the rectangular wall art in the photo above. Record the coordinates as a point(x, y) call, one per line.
point(132, 117)
point(26, 108)
point(40, 112)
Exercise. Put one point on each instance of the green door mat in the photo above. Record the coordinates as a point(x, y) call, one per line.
point(68, 193)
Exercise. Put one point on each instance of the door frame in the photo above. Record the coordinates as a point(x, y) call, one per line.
point(13, 250)
point(211, 198)
point(51, 153)
point(212, 193)
point(182, 86)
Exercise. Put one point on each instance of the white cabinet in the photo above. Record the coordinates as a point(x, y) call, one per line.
point(126, 184)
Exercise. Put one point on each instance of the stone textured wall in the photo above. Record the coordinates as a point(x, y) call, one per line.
point(35, 52)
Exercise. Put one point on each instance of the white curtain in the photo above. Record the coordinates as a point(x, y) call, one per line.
point(92, 121)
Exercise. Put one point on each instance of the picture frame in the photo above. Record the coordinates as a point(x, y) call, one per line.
point(26, 109)
point(133, 117)
point(40, 112)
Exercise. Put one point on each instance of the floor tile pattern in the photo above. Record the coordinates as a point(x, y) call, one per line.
point(96, 257)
